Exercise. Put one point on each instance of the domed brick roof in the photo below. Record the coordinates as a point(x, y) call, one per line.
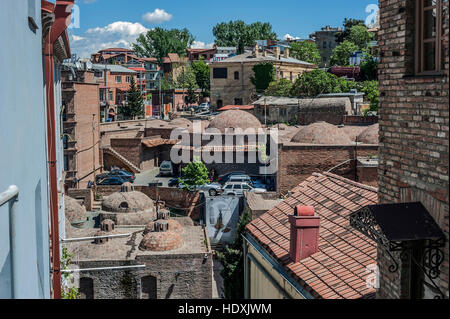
point(321, 133)
point(75, 213)
point(157, 123)
point(369, 135)
point(234, 119)
point(173, 226)
point(161, 241)
point(127, 202)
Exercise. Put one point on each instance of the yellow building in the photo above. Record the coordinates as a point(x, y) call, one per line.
point(230, 78)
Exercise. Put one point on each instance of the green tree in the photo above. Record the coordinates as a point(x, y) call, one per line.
point(341, 54)
point(160, 42)
point(348, 24)
point(194, 174)
point(239, 34)
point(279, 88)
point(202, 76)
point(232, 260)
point(369, 67)
point(311, 84)
point(135, 102)
point(264, 74)
point(186, 80)
point(360, 36)
point(306, 51)
point(372, 94)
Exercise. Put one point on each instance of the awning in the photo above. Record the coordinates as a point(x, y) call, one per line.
point(404, 228)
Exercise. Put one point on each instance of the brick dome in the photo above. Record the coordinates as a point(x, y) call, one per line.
point(75, 213)
point(182, 123)
point(369, 135)
point(128, 202)
point(235, 119)
point(173, 226)
point(321, 133)
point(157, 123)
point(161, 238)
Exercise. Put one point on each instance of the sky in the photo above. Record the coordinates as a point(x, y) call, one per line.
point(100, 24)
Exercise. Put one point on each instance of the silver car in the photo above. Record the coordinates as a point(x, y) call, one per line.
point(238, 189)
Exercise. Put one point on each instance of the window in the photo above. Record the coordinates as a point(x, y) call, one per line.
point(219, 104)
point(238, 101)
point(236, 75)
point(324, 44)
point(110, 93)
point(129, 79)
point(238, 186)
point(229, 187)
point(118, 79)
point(220, 73)
point(430, 36)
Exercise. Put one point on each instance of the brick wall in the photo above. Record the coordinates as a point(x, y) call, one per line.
point(298, 162)
point(358, 119)
point(414, 132)
point(130, 148)
point(82, 194)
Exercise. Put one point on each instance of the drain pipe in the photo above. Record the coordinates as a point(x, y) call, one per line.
point(62, 14)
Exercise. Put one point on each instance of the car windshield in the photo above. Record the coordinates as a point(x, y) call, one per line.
point(165, 166)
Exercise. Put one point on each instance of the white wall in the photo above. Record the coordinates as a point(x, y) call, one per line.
point(23, 149)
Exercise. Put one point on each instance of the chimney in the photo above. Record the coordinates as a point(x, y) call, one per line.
point(256, 50)
point(286, 53)
point(277, 52)
point(264, 53)
point(304, 233)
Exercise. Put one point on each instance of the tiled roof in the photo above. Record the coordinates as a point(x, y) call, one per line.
point(237, 107)
point(338, 269)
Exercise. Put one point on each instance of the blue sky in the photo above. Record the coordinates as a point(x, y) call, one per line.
point(105, 23)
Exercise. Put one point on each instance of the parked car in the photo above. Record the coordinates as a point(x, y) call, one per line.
point(238, 189)
point(114, 180)
point(241, 179)
point(166, 169)
point(174, 182)
point(224, 178)
point(204, 107)
point(213, 189)
point(129, 177)
point(257, 183)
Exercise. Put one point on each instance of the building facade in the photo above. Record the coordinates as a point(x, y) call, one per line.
point(326, 42)
point(414, 129)
point(231, 78)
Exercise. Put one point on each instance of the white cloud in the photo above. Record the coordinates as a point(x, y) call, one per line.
point(290, 37)
point(115, 35)
point(201, 45)
point(157, 16)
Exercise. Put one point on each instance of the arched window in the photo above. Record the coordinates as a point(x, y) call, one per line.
point(149, 288)
point(236, 75)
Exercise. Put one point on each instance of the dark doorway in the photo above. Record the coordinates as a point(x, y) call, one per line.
point(149, 288)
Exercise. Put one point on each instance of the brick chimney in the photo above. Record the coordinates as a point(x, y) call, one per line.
point(277, 52)
point(286, 53)
point(304, 233)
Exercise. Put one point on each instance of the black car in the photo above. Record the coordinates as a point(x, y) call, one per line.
point(174, 182)
point(112, 180)
point(129, 177)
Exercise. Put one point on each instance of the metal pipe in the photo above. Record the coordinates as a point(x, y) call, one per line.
point(103, 268)
point(71, 240)
point(11, 196)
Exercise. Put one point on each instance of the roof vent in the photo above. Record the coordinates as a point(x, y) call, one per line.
point(161, 226)
point(164, 214)
point(100, 240)
point(304, 233)
point(107, 225)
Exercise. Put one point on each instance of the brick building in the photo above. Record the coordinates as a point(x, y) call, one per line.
point(326, 42)
point(231, 78)
point(414, 150)
point(81, 123)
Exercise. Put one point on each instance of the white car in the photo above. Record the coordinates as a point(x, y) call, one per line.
point(166, 169)
point(238, 189)
point(204, 107)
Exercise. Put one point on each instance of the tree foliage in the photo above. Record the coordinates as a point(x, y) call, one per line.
point(306, 51)
point(264, 74)
point(159, 42)
point(202, 76)
point(239, 34)
point(360, 36)
point(348, 24)
point(135, 102)
point(311, 84)
point(232, 260)
point(186, 80)
point(279, 88)
point(341, 54)
point(194, 174)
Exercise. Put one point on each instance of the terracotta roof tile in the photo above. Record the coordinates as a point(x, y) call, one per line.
point(338, 269)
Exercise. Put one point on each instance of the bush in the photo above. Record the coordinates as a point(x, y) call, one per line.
point(281, 88)
point(311, 84)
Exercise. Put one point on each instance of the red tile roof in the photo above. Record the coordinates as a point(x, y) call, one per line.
point(338, 269)
point(237, 107)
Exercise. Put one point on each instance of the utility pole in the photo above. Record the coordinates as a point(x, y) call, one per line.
point(265, 112)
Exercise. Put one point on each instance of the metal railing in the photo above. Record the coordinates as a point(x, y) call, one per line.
point(11, 196)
